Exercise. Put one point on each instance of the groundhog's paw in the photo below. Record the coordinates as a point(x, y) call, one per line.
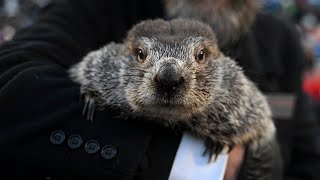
point(89, 107)
point(214, 148)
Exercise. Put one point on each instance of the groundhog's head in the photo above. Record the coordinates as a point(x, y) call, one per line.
point(175, 69)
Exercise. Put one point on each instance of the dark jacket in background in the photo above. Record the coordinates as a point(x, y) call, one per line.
point(37, 98)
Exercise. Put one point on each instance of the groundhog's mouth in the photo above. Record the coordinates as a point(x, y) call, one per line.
point(174, 105)
point(168, 107)
point(168, 111)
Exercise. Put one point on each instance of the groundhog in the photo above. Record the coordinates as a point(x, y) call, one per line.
point(173, 73)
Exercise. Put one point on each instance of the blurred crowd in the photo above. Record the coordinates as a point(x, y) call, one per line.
point(306, 15)
point(16, 14)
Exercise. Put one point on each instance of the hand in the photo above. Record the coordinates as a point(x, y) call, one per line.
point(234, 163)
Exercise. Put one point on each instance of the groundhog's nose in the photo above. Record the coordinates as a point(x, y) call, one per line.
point(168, 78)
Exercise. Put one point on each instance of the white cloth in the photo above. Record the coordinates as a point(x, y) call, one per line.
point(190, 164)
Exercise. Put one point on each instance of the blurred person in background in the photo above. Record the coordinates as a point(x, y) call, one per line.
point(36, 97)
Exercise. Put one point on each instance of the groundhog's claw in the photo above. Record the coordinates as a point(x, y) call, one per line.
point(89, 107)
point(214, 148)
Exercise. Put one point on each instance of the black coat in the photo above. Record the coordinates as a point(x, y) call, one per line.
point(41, 127)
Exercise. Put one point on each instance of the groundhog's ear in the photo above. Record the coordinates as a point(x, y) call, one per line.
point(128, 46)
point(129, 39)
point(212, 49)
point(129, 43)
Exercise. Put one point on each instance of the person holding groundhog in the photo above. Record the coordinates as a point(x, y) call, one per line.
point(44, 134)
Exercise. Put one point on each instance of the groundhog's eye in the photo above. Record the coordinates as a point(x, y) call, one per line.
point(200, 56)
point(141, 55)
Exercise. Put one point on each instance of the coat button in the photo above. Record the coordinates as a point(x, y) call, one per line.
point(57, 137)
point(92, 147)
point(108, 152)
point(75, 141)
